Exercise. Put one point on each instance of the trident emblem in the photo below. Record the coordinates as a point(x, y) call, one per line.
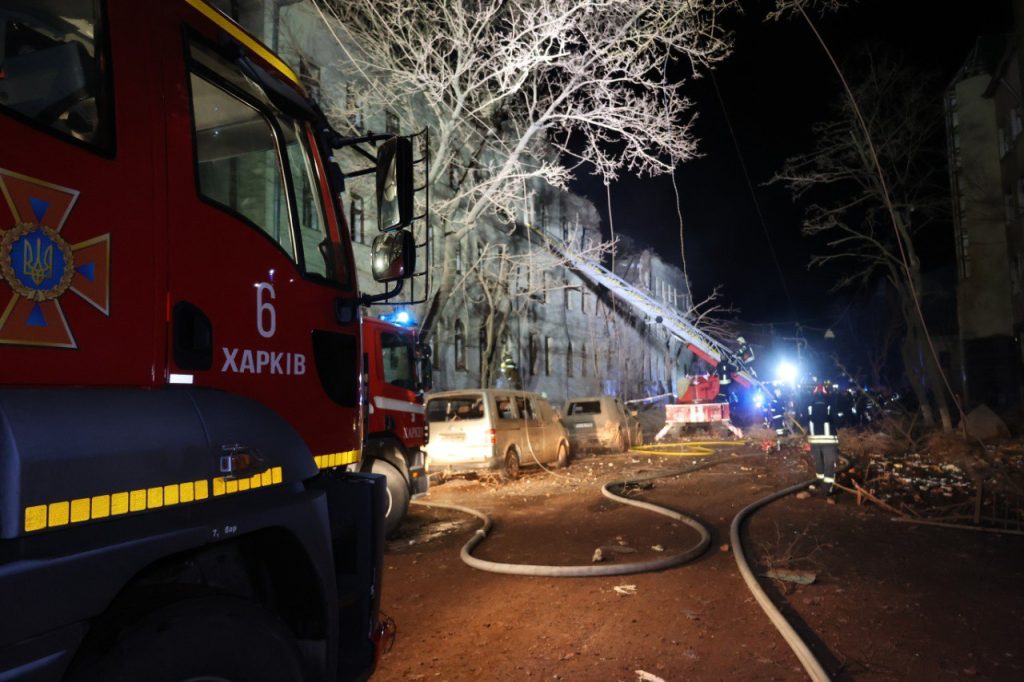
point(37, 265)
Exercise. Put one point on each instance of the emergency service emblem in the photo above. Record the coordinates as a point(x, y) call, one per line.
point(40, 266)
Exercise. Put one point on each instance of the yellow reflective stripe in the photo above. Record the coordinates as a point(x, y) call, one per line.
point(336, 459)
point(241, 36)
point(40, 516)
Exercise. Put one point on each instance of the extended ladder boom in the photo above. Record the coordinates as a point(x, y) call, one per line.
point(703, 345)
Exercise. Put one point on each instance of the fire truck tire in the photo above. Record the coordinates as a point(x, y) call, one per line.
point(398, 495)
point(510, 470)
point(563, 455)
point(208, 638)
point(639, 440)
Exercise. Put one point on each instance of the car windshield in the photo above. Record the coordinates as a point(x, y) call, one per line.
point(584, 407)
point(455, 408)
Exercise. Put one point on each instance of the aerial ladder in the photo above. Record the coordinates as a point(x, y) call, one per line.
point(701, 344)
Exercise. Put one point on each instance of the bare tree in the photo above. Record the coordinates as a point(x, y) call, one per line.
point(870, 216)
point(521, 91)
point(507, 277)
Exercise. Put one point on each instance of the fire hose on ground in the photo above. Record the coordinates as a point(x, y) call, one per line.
point(803, 653)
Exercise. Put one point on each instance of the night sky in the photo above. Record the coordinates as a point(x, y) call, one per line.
point(774, 87)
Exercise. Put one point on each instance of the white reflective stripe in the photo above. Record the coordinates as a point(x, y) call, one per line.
point(180, 378)
point(383, 403)
point(822, 439)
point(820, 475)
point(828, 480)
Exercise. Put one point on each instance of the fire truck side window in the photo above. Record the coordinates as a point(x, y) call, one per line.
point(399, 360)
point(237, 159)
point(315, 251)
point(52, 67)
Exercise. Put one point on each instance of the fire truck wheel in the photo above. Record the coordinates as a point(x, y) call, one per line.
point(398, 495)
point(639, 440)
point(208, 638)
point(563, 455)
point(510, 471)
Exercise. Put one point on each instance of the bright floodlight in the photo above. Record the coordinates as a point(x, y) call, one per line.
point(402, 317)
point(786, 372)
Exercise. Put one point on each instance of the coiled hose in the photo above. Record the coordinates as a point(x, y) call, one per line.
point(589, 570)
point(803, 653)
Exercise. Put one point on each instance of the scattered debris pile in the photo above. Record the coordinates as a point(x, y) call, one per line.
point(939, 478)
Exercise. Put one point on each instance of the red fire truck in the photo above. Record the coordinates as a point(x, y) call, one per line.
point(180, 356)
point(396, 430)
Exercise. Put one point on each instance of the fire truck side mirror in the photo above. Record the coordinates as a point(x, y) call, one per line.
point(394, 184)
point(393, 256)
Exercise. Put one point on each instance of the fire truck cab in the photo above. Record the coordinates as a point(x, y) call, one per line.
point(397, 374)
point(180, 357)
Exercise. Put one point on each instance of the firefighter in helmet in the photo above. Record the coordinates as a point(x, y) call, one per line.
point(821, 433)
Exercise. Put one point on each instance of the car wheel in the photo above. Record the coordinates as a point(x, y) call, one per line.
point(510, 471)
point(563, 455)
point(208, 638)
point(397, 495)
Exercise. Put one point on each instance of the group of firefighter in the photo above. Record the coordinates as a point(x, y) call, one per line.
point(820, 408)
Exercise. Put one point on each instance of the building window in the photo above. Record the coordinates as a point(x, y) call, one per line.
point(566, 295)
point(458, 257)
point(569, 360)
point(309, 74)
point(390, 122)
point(483, 351)
point(353, 108)
point(460, 346)
point(534, 352)
point(548, 350)
point(565, 231)
point(356, 219)
point(583, 360)
point(435, 348)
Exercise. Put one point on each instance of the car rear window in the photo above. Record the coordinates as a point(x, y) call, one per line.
point(584, 407)
point(455, 408)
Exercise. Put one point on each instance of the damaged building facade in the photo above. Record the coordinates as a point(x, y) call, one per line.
point(517, 314)
point(984, 123)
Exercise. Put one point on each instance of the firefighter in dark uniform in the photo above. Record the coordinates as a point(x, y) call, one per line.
point(777, 415)
point(821, 433)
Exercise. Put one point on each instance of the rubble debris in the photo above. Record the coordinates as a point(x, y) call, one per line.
point(598, 556)
point(657, 548)
point(625, 590)
point(644, 676)
point(617, 549)
point(791, 575)
point(803, 495)
point(985, 425)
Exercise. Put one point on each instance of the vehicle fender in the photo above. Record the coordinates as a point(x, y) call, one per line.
point(77, 456)
point(387, 448)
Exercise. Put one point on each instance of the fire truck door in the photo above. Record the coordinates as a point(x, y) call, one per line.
point(255, 262)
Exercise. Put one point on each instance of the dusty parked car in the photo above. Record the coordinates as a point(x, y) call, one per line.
point(493, 428)
point(601, 422)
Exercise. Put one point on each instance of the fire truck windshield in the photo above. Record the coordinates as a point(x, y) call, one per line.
point(252, 158)
point(399, 358)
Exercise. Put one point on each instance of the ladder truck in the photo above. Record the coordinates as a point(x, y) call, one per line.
point(180, 355)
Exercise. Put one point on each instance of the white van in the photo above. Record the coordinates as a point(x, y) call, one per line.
point(493, 428)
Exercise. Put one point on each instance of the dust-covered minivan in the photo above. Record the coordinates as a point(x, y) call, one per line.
point(493, 428)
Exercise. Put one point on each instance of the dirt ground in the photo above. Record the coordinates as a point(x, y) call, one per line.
point(890, 601)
